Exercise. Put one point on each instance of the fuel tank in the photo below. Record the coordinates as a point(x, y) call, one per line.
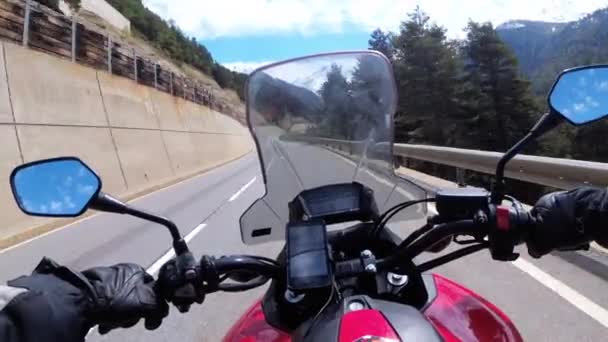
point(454, 314)
point(460, 314)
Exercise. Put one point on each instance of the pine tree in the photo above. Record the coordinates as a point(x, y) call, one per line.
point(381, 41)
point(335, 92)
point(426, 69)
point(495, 100)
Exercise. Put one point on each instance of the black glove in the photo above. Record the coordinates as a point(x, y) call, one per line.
point(568, 220)
point(176, 289)
point(124, 294)
point(112, 297)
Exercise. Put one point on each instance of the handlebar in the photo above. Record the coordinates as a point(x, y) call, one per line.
point(235, 263)
point(498, 228)
point(350, 268)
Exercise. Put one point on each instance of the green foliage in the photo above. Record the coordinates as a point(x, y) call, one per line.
point(223, 76)
point(465, 93)
point(498, 106)
point(169, 38)
point(381, 41)
point(546, 52)
point(427, 70)
point(336, 99)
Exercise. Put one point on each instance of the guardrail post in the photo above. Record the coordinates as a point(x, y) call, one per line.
point(461, 177)
point(155, 75)
point(110, 54)
point(74, 28)
point(171, 81)
point(135, 65)
point(26, 22)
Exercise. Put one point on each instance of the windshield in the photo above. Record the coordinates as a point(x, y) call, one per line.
point(323, 120)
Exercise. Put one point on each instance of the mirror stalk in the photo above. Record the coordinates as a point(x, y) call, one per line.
point(108, 203)
point(546, 123)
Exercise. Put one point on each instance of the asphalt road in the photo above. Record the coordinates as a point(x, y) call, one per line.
point(542, 308)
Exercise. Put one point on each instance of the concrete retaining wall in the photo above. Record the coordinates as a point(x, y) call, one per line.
point(135, 137)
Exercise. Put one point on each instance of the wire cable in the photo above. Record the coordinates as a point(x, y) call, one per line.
point(390, 213)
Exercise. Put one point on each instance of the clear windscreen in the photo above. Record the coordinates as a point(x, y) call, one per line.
point(323, 120)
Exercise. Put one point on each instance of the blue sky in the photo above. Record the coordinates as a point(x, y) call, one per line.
point(243, 34)
point(272, 47)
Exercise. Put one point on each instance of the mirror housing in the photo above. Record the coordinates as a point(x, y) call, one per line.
point(580, 95)
point(57, 187)
point(67, 187)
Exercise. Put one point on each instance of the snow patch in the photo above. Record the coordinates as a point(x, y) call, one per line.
point(513, 25)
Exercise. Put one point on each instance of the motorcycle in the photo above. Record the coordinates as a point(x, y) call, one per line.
point(323, 128)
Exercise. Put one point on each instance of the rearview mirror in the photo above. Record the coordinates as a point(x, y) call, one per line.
point(580, 95)
point(59, 187)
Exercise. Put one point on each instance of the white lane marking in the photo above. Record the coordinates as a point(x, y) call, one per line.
point(155, 267)
point(131, 201)
point(581, 302)
point(573, 297)
point(241, 190)
point(171, 253)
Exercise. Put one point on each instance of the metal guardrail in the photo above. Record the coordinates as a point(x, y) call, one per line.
point(555, 172)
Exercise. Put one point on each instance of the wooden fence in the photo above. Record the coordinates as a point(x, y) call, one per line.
point(38, 27)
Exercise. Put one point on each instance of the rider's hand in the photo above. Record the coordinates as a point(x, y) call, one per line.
point(124, 294)
point(567, 220)
point(112, 297)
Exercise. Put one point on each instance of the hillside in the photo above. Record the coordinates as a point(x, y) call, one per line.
point(528, 39)
point(543, 49)
point(172, 42)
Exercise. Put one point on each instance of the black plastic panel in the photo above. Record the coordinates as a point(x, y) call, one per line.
point(334, 204)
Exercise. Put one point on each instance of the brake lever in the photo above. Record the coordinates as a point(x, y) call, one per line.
point(461, 240)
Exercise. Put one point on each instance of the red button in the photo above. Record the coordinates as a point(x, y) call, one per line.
point(502, 218)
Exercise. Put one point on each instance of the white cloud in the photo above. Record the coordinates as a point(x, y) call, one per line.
point(590, 101)
point(56, 206)
point(211, 19)
point(579, 107)
point(246, 67)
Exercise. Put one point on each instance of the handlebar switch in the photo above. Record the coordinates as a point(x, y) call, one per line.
point(505, 231)
point(461, 203)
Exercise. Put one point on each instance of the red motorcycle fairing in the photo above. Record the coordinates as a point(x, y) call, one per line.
point(366, 325)
point(456, 313)
point(252, 327)
point(460, 314)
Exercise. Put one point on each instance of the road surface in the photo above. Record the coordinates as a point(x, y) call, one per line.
point(558, 298)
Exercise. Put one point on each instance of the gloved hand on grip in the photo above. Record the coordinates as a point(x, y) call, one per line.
point(568, 220)
point(124, 294)
point(176, 289)
point(62, 305)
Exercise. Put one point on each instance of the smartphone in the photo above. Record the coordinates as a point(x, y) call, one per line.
point(308, 263)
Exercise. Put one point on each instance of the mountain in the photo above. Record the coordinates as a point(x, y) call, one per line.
point(544, 48)
point(528, 39)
